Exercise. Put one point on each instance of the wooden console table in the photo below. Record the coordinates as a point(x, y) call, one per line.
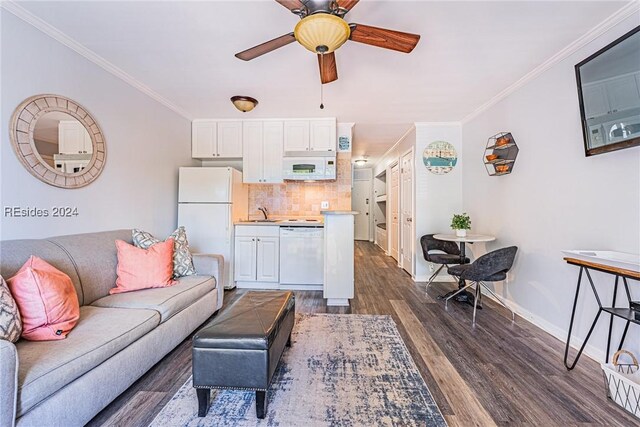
point(624, 313)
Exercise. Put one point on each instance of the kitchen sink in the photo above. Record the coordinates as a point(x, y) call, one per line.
point(263, 220)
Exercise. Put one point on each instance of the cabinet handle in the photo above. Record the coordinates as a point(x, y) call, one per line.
point(258, 240)
point(253, 240)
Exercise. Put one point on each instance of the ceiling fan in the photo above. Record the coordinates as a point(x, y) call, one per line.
point(322, 29)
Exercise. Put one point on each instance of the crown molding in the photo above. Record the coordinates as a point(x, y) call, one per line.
point(59, 36)
point(606, 25)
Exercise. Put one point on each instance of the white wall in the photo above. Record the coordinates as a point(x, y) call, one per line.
point(146, 143)
point(556, 198)
point(438, 197)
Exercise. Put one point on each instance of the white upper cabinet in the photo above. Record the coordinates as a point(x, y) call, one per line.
point(296, 135)
point(272, 152)
point(262, 160)
point(204, 139)
point(623, 93)
point(252, 161)
point(230, 139)
point(595, 101)
point(323, 135)
point(73, 138)
point(211, 139)
point(612, 95)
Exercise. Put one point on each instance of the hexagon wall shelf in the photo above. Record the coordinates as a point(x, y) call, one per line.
point(500, 154)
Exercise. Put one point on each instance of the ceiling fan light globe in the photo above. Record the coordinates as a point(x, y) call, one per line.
point(322, 32)
point(244, 103)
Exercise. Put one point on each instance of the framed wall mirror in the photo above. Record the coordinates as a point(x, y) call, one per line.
point(609, 92)
point(58, 141)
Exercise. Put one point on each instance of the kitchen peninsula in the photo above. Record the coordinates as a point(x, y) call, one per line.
point(297, 253)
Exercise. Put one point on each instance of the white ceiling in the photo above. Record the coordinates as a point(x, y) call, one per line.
point(468, 53)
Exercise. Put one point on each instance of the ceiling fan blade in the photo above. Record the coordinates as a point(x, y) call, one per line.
point(381, 37)
point(291, 4)
point(328, 67)
point(266, 47)
point(347, 4)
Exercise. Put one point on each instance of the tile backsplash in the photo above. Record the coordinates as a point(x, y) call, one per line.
point(298, 198)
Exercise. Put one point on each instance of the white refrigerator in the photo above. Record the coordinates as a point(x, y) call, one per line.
point(210, 200)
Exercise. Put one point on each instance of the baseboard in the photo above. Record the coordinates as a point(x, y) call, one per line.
point(277, 286)
point(592, 352)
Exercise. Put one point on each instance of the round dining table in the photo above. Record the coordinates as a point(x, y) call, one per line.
point(462, 241)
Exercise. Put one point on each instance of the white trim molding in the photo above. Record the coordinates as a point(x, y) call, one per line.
point(606, 25)
point(62, 38)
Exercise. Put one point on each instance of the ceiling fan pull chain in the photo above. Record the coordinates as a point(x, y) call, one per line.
point(321, 85)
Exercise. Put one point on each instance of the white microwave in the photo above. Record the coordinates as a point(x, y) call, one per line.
point(309, 168)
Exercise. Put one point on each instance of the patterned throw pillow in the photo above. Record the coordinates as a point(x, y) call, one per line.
point(182, 260)
point(10, 322)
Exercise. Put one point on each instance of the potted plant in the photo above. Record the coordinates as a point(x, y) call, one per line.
point(461, 223)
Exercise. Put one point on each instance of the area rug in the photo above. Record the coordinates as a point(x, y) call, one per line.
point(342, 370)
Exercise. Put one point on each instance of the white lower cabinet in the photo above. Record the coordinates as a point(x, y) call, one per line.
point(257, 253)
point(245, 259)
point(267, 259)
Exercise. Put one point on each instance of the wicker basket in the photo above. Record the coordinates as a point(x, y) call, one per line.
point(622, 382)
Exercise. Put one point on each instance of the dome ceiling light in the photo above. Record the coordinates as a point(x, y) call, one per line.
point(244, 103)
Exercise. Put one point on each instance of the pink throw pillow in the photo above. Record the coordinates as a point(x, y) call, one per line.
point(46, 299)
point(144, 268)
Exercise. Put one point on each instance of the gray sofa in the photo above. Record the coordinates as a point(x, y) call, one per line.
point(118, 338)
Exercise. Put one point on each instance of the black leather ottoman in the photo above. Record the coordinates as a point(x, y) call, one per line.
point(241, 347)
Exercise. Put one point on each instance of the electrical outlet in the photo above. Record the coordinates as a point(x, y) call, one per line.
point(324, 205)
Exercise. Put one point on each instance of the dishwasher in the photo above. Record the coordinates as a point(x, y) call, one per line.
point(301, 255)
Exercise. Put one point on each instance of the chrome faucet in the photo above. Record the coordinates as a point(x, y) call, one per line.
point(265, 212)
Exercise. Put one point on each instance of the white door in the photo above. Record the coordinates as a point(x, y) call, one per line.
point(230, 139)
point(296, 135)
point(394, 231)
point(406, 211)
point(323, 135)
point(204, 139)
point(245, 259)
point(272, 152)
point(268, 259)
point(361, 203)
point(623, 93)
point(252, 170)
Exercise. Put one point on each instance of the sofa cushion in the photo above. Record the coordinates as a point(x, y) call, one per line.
point(10, 321)
point(143, 268)
point(47, 366)
point(16, 252)
point(182, 258)
point(166, 301)
point(94, 254)
point(46, 299)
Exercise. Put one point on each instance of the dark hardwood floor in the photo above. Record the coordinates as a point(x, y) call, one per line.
point(498, 373)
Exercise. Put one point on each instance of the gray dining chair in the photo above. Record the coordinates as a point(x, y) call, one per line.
point(491, 267)
point(446, 253)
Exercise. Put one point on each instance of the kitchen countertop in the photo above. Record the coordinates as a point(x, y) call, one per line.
point(283, 223)
point(339, 212)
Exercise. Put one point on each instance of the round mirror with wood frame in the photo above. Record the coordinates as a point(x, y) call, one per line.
point(58, 141)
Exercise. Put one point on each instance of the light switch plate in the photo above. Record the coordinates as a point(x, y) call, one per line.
point(324, 205)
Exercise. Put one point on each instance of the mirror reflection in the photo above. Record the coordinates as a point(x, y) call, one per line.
point(611, 94)
point(63, 142)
